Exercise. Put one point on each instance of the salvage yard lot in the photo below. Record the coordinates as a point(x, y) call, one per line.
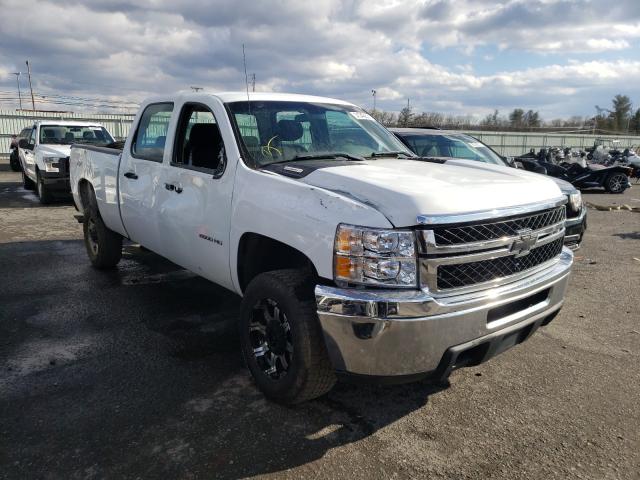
point(136, 373)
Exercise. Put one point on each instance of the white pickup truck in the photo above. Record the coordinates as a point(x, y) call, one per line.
point(44, 153)
point(355, 258)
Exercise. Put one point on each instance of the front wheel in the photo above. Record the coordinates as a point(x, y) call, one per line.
point(616, 183)
point(281, 337)
point(27, 183)
point(44, 194)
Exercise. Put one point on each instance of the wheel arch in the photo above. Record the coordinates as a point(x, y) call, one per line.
point(84, 190)
point(259, 253)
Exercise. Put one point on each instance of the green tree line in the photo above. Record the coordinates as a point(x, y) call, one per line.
point(620, 118)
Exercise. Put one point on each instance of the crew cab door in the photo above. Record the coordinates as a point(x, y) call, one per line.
point(140, 175)
point(195, 198)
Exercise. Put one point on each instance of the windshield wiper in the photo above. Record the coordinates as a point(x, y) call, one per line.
point(320, 156)
point(390, 154)
point(430, 159)
point(313, 156)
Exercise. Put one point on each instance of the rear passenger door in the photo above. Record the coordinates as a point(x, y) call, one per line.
point(141, 173)
point(195, 199)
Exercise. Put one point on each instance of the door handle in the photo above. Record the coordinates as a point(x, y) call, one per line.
point(173, 188)
point(131, 175)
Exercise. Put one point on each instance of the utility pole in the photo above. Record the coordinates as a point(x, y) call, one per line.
point(33, 102)
point(17, 74)
point(253, 82)
point(373, 92)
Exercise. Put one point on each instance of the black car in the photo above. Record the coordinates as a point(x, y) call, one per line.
point(432, 142)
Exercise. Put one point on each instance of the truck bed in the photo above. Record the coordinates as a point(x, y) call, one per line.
point(99, 167)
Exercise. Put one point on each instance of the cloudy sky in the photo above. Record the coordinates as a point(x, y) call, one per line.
point(455, 56)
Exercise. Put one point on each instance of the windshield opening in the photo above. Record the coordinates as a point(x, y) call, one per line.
point(452, 146)
point(274, 131)
point(69, 134)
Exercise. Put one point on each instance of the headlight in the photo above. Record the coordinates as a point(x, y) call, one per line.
point(372, 256)
point(51, 164)
point(575, 200)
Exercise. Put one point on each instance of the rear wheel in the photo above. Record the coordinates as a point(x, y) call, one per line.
point(14, 162)
point(281, 337)
point(44, 194)
point(104, 246)
point(616, 182)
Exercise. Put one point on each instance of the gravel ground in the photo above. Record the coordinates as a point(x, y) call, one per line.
point(135, 373)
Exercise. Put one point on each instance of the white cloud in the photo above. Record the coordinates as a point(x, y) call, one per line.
point(110, 48)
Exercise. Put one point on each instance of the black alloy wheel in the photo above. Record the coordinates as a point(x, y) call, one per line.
point(270, 336)
point(616, 182)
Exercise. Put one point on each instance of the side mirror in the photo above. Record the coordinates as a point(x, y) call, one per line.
point(23, 143)
point(222, 165)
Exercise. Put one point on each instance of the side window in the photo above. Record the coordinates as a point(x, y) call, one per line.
point(199, 143)
point(151, 135)
point(32, 137)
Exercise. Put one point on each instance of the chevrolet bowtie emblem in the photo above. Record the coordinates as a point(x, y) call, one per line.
point(524, 243)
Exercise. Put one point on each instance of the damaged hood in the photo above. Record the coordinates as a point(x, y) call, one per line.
point(53, 150)
point(402, 189)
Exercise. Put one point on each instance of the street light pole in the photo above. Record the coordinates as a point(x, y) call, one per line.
point(33, 102)
point(373, 92)
point(17, 74)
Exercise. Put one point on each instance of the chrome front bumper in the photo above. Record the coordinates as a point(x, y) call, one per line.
point(388, 333)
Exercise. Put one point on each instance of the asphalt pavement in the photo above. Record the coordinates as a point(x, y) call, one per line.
point(136, 373)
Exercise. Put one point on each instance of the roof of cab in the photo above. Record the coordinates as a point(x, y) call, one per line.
point(241, 96)
point(70, 123)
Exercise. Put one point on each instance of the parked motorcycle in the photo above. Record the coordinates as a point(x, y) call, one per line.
point(614, 179)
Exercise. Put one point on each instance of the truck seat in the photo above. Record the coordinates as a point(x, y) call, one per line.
point(206, 146)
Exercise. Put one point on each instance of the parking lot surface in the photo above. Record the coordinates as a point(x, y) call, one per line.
point(136, 373)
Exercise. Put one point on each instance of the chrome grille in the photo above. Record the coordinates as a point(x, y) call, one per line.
point(465, 274)
point(487, 249)
point(454, 235)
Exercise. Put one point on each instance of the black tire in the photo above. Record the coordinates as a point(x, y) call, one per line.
point(14, 162)
point(292, 333)
point(104, 246)
point(44, 194)
point(615, 182)
point(27, 183)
